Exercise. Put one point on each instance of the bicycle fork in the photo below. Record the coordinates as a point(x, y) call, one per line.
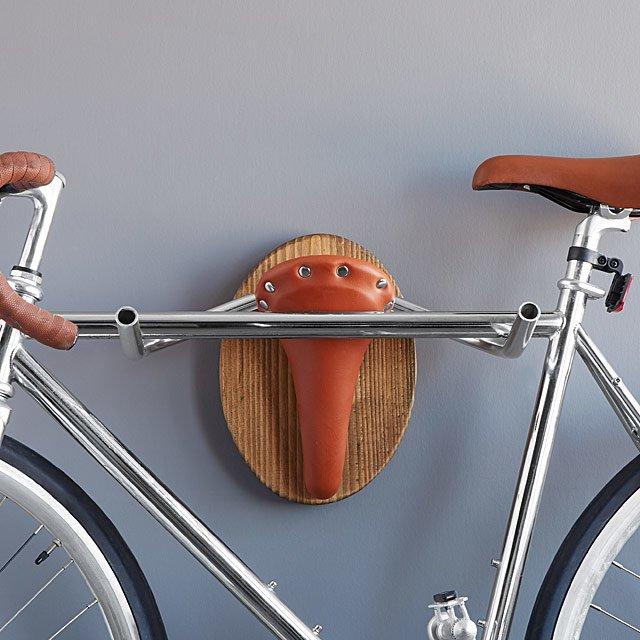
point(575, 290)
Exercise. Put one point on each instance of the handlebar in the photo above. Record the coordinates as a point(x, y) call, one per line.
point(22, 170)
point(42, 325)
point(25, 173)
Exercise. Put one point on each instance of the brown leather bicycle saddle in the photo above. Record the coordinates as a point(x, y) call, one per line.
point(575, 183)
point(324, 370)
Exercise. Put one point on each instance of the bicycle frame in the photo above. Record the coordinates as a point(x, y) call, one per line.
point(503, 334)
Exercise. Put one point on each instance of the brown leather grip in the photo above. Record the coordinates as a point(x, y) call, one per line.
point(25, 170)
point(44, 326)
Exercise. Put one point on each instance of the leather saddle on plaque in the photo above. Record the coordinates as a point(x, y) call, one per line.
point(324, 370)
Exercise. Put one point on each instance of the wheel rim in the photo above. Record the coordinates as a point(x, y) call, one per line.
point(60, 523)
point(579, 599)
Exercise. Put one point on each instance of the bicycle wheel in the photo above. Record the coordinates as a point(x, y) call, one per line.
point(56, 540)
point(591, 589)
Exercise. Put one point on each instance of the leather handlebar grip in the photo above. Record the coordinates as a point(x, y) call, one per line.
point(41, 325)
point(25, 170)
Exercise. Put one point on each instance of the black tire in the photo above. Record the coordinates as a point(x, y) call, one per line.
point(575, 547)
point(100, 528)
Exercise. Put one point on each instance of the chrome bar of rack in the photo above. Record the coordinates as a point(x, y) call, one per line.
point(428, 324)
point(516, 336)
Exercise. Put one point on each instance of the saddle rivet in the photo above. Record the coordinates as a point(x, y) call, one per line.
point(263, 304)
point(304, 271)
point(382, 283)
point(342, 271)
point(269, 287)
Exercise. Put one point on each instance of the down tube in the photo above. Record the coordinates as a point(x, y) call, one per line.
point(156, 498)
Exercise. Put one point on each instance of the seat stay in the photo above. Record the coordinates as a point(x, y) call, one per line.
point(622, 401)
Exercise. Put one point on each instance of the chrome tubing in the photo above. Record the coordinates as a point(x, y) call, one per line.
point(521, 331)
point(615, 391)
point(128, 324)
point(431, 324)
point(245, 303)
point(517, 335)
point(158, 500)
point(539, 446)
point(5, 415)
point(533, 470)
point(44, 200)
point(25, 278)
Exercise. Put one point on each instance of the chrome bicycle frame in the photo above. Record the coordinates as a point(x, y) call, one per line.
point(502, 334)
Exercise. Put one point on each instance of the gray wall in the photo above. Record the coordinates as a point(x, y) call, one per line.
point(197, 136)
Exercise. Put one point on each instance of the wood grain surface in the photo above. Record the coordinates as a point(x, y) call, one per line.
point(259, 401)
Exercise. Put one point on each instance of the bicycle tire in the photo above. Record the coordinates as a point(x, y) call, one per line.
point(98, 526)
point(556, 601)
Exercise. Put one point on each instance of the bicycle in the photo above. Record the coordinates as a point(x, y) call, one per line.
point(607, 193)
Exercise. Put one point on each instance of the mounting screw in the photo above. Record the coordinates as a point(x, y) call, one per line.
point(602, 260)
point(389, 305)
point(342, 271)
point(495, 563)
point(269, 287)
point(304, 271)
point(482, 623)
point(272, 586)
point(263, 304)
point(614, 263)
point(317, 629)
point(382, 283)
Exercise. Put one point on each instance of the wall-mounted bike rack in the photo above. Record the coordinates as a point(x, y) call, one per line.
point(321, 448)
point(347, 434)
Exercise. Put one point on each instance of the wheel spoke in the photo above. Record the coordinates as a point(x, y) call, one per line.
point(56, 530)
point(595, 607)
point(21, 548)
point(72, 620)
point(623, 568)
point(36, 595)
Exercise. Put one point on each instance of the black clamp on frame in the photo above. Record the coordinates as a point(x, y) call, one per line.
point(621, 283)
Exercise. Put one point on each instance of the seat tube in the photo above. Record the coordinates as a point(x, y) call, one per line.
point(574, 292)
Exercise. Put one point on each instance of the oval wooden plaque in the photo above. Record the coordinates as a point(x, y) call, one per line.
point(259, 401)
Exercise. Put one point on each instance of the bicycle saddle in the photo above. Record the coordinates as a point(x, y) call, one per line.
point(324, 370)
point(575, 183)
